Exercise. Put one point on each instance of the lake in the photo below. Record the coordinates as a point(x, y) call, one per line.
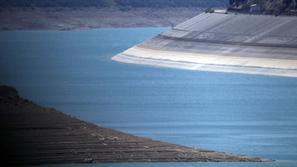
point(72, 71)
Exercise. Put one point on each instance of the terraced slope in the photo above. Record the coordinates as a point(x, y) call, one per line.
point(241, 43)
point(31, 134)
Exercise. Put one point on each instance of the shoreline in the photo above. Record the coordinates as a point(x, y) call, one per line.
point(61, 18)
point(36, 135)
point(211, 42)
point(207, 62)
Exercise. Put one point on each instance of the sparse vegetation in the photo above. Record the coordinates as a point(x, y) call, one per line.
point(265, 6)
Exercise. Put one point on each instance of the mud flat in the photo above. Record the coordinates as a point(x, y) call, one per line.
point(239, 43)
point(31, 134)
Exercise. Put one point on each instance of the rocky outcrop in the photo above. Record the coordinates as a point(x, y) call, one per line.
point(276, 7)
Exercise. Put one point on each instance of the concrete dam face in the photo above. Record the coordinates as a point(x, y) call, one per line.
point(239, 43)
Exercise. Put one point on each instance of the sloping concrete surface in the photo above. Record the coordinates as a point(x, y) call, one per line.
point(240, 43)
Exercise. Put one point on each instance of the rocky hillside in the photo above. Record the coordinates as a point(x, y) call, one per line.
point(276, 7)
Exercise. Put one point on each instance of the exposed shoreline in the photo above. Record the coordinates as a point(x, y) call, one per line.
point(32, 134)
point(223, 42)
point(207, 62)
point(61, 18)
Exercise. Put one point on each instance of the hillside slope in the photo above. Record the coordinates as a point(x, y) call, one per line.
point(31, 134)
point(113, 3)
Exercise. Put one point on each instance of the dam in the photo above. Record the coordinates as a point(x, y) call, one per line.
point(223, 42)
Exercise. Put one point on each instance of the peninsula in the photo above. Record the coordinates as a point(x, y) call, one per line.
point(223, 41)
point(32, 134)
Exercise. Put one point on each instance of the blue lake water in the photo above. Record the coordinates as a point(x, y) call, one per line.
point(72, 71)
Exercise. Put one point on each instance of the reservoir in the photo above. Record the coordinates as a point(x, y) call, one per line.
point(72, 71)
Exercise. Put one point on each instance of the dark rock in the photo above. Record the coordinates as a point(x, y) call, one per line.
point(8, 92)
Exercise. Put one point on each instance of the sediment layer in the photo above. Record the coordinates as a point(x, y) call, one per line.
point(240, 43)
point(31, 134)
